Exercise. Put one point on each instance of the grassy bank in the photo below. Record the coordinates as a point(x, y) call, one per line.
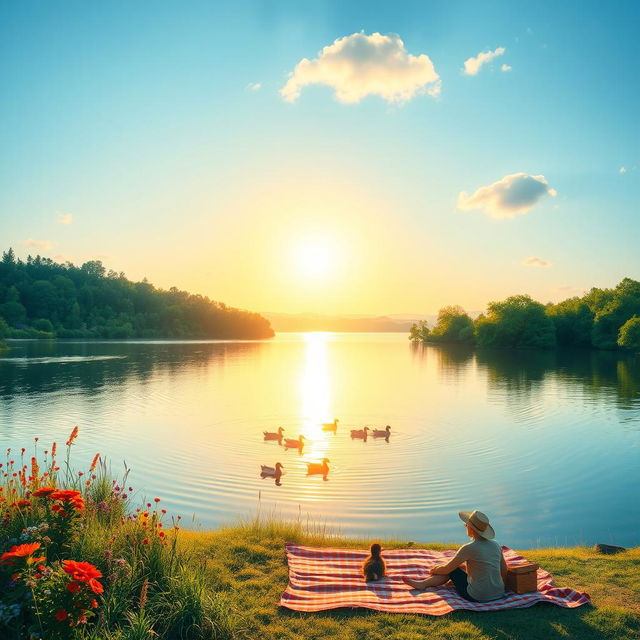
point(81, 557)
point(247, 563)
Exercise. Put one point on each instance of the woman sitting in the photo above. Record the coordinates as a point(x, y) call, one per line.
point(478, 570)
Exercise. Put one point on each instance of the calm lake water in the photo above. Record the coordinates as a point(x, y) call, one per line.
point(547, 444)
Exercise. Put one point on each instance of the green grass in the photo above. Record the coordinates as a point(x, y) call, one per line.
point(247, 563)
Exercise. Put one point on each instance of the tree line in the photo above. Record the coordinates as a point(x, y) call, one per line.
point(40, 298)
point(601, 319)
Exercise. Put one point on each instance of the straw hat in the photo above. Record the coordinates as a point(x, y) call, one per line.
point(479, 522)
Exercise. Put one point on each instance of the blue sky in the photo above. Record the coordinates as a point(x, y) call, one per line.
point(138, 122)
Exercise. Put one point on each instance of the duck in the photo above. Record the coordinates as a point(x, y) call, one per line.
point(273, 435)
point(330, 426)
point(292, 443)
point(382, 433)
point(318, 467)
point(271, 472)
point(360, 433)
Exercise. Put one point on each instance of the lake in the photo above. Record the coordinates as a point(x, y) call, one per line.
point(546, 443)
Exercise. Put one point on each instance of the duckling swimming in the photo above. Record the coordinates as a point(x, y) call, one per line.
point(374, 567)
point(292, 443)
point(382, 433)
point(273, 435)
point(272, 472)
point(360, 433)
point(321, 468)
point(330, 426)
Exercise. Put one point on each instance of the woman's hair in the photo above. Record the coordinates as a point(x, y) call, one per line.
point(375, 550)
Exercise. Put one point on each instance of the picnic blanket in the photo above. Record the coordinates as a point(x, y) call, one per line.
point(323, 578)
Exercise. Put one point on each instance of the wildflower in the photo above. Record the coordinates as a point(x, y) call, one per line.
point(95, 586)
point(64, 494)
point(145, 541)
point(43, 492)
point(61, 615)
point(23, 503)
point(156, 500)
point(53, 450)
point(95, 462)
point(19, 551)
point(73, 587)
point(73, 436)
point(84, 572)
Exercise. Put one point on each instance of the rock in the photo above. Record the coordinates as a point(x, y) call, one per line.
point(608, 549)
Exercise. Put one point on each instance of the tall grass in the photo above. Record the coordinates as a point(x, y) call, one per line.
point(149, 586)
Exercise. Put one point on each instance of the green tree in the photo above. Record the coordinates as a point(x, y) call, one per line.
point(517, 322)
point(12, 310)
point(629, 335)
point(573, 320)
point(419, 331)
point(613, 311)
point(453, 326)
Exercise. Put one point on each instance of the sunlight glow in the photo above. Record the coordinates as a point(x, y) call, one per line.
point(315, 258)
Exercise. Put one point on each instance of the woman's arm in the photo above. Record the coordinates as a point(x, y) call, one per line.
point(503, 568)
point(454, 563)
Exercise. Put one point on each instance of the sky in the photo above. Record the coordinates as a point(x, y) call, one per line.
point(328, 157)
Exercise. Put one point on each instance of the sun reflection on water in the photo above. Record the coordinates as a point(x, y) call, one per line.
point(315, 402)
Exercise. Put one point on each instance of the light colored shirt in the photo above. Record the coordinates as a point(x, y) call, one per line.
point(483, 569)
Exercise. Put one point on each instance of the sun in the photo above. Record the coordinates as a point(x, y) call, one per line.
point(315, 258)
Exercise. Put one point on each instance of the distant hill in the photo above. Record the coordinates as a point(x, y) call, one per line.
point(321, 322)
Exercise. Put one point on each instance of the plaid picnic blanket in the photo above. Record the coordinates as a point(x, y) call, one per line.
point(323, 578)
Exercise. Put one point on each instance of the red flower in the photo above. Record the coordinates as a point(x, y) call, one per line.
point(145, 541)
point(65, 495)
point(74, 587)
point(81, 571)
point(73, 436)
point(43, 491)
point(19, 551)
point(96, 586)
point(23, 503)
point(94, 603)
point(61, 615)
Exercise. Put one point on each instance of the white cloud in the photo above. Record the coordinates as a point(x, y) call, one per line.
point(512, 195)
point(473, 65)
point(362, 65)
point(254, 86)
point(534, 261)
point(65, 218)
point(623, 169)
point(41, 245)
point(506, 67)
